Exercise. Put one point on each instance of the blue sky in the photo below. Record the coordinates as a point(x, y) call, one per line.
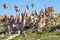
point(39, 4)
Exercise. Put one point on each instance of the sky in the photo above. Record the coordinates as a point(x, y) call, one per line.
point(38, 5)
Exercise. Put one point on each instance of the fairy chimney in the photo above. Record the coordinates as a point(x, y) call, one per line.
point(26, 14)
point(20, 18)
point(47, 12)
point(51, 9)
point(41, 22)
point(42, 14)
point(16, 18)
point(34, 13)
point(5, 19)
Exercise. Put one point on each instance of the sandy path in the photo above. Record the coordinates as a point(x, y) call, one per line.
point(12, 36)
point(49, 37)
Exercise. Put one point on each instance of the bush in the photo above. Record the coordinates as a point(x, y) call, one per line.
point(46, 29)
point(57, 33)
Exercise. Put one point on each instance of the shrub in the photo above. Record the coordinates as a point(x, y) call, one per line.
point(57, 33)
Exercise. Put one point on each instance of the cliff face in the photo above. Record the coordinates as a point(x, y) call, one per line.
point(45, 18)
point(4, 18)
